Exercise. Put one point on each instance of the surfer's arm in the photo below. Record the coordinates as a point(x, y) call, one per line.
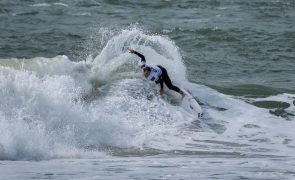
point(138, 54)
point(160, 81)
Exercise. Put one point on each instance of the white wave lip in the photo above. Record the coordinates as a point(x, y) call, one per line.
point(48, 5)
point(41, 5)
point(53, 107)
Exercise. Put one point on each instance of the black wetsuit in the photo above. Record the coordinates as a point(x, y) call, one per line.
point(163, 78)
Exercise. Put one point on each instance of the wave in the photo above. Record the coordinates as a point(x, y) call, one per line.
point(48, 5)
point(41, 5)
point(57, 108)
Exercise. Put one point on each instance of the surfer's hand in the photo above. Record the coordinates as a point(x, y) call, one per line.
point(161, 92)
point(130, 50)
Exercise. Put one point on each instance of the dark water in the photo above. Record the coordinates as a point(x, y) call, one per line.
point(231, 45)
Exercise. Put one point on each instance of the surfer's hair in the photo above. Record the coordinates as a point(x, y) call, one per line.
point(147, 69)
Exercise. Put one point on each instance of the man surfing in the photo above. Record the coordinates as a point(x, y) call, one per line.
point(158, 74)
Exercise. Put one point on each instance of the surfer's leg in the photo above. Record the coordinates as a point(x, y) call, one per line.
point(168, 82)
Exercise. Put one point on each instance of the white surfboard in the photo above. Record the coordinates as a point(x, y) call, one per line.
point(191, 105)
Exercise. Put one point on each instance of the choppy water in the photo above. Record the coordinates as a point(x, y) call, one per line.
point(75, 106)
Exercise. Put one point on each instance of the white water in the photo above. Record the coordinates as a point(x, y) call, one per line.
point(55, 108)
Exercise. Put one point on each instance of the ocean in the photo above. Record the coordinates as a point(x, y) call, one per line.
point(75, 105)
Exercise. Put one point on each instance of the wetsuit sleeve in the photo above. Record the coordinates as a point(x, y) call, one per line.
point(141, 56)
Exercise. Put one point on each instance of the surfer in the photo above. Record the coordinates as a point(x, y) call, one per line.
point(158, 74)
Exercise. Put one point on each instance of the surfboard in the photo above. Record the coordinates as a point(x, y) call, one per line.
point(190, 104)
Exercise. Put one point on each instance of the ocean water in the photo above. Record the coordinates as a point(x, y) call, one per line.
point(74, 104)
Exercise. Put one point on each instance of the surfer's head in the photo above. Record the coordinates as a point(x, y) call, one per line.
point(146, 71)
